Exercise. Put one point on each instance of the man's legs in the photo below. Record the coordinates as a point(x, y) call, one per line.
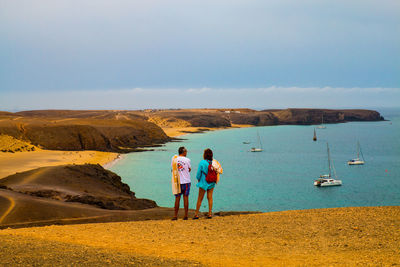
point(186, 205)
point(177, 201)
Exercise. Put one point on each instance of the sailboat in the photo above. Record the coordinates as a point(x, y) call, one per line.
point(326, 179)
point(315, 136)
point(357, 161)
point(257, 149)
point(322, 123)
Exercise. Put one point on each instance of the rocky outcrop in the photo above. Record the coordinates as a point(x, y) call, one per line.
point(88, 184)
point(12, 145)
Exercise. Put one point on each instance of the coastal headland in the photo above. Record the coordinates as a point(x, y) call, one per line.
point(125, 131)
point(51, 174)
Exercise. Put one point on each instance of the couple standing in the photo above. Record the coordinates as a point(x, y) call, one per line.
point(207, 176)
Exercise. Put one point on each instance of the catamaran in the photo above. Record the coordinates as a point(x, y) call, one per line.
point(257, 149)
point(357, 161)
point(326, 179)
point(322, 123)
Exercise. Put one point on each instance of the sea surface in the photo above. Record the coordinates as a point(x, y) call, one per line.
point(281, 177)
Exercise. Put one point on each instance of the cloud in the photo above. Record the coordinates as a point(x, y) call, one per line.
point(140, 98)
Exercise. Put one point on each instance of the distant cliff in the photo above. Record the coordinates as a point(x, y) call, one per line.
point(227, 117)
point(83, 130)
point(304, 116)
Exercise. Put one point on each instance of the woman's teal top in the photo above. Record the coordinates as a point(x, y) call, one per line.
point(202, 171)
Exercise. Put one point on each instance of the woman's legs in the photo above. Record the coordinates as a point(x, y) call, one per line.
point(199, 200)
point(210, 201)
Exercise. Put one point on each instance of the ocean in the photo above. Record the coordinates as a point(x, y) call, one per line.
point(281, 177)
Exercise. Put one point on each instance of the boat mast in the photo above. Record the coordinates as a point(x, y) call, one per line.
point(259, 139)
point(358, 150)
point(329, 160)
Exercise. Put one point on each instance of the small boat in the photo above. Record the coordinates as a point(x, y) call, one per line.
point(326, 179)
point(315, 136)
point(322, 123)
point(357, 161)
point(246, 143)
point(257, 149)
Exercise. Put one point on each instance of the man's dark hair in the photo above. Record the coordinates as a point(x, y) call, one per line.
point(208, 154)
point(181, 150)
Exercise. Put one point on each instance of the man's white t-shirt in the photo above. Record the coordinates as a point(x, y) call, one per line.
point(183, 169)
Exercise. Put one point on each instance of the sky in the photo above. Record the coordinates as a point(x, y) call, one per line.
point(131, 54)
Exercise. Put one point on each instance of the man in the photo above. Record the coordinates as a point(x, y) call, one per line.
point(181, 169)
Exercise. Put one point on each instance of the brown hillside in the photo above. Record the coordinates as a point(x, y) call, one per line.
point(88, 184)
point(83, 130)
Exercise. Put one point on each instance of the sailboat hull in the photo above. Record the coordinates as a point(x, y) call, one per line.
point(327, 182)
point(256, 150)
point(355, 162)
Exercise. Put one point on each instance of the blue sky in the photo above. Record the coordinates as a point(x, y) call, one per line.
point(136, 54)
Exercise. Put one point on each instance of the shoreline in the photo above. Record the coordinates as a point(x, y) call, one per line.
point(181, 131)
point(111, 163)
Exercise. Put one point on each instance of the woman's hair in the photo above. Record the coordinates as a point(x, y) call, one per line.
point(208, 154)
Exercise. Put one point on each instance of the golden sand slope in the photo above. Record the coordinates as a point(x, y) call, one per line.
point(10, 163)
point(341, 236)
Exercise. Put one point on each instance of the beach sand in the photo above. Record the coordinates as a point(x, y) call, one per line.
point(328, 237)
point(179, 131)
point(10, 163)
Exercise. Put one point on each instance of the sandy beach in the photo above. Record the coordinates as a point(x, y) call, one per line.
point(10, 163)
point(179, 131)
point(329, 237)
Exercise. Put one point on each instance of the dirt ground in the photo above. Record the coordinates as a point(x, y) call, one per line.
point(328, 237)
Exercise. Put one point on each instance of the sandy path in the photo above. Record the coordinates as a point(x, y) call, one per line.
point(342, 236)
point(10, 163)
point(9, 208)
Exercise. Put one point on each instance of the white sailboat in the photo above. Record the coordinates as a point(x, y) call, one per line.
point(322, 123)
point(326, 179)
point(357, 161)
point(257, 149)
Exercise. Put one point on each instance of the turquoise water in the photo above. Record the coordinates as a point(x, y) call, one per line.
point(281, 177)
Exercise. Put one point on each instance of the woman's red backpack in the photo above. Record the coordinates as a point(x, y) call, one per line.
point(211, 176)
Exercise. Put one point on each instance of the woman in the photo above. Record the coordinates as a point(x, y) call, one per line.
point(203, 185)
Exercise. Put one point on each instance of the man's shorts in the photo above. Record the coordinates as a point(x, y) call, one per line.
point(185, 189)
